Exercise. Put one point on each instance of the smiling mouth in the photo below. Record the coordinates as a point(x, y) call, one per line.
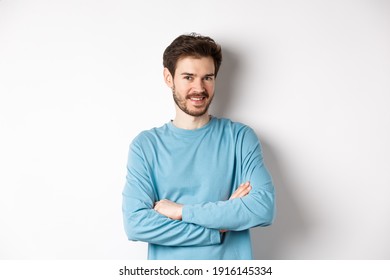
point(197, 98)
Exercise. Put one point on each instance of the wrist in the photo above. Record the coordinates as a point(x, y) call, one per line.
point(180, 212)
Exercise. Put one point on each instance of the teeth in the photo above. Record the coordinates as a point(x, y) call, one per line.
point(198, 99)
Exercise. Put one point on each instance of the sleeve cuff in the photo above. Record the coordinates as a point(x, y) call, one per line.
point(187, 214)
point(215, 236)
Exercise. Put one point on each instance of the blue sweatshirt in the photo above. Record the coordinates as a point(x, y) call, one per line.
point(199, 168)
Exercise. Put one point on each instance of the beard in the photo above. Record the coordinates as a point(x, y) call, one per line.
point(182, 103)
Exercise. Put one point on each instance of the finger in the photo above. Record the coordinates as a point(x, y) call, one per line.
point(246, 191)
point(157, 205)
point(243, 188)
point(235, 193)
point(241, 191)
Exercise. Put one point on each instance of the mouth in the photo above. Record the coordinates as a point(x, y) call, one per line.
point(198, 100)
point(198, 96)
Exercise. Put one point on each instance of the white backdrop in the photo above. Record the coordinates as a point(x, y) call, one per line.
point(80, 79)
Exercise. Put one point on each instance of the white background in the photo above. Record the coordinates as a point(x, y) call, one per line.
point(80, 79)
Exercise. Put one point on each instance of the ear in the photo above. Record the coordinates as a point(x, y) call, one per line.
point(168, 79)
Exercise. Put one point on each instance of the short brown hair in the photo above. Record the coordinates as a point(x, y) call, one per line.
point(194, 45)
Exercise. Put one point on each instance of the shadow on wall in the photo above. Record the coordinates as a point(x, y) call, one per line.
point(225, 87)
point(289, 226)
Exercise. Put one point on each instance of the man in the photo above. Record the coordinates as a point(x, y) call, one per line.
point(196, 185)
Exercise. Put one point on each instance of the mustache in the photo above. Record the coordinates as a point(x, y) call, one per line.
point(198, 94)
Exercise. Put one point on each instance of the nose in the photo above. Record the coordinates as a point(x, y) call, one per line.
point(198, 85)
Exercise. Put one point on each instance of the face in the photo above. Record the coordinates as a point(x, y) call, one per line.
point(193, 84)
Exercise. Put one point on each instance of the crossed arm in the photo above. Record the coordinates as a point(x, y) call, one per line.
point(174, 210)
point(251, 205)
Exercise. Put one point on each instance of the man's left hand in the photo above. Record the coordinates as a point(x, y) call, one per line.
point(169, 209)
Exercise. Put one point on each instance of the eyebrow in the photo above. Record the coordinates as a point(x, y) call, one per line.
point(191, 74)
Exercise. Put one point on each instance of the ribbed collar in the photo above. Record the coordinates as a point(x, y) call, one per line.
point(191, 132)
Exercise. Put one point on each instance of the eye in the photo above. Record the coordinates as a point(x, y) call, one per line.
point(189, 78)
point(208, 78)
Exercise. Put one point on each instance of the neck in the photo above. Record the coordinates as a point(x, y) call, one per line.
point(184, 121)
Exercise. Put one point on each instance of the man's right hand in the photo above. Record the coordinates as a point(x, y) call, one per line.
point(241, 191)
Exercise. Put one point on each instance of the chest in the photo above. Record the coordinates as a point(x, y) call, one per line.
point(195, 171)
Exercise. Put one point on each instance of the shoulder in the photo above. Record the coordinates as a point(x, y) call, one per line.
point(236, 128)
point(242, 135)
point(149, 136)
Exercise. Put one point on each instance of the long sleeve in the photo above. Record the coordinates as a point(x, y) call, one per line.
point(142, 223)
point(255, 209)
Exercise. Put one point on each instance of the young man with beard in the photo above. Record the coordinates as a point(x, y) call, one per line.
point(196, 185)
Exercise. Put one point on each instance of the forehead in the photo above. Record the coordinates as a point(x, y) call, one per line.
point(195, 65)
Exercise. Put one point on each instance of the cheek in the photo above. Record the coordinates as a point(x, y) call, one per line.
point(210, 88)
point(181, 87)
point(177, 82)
